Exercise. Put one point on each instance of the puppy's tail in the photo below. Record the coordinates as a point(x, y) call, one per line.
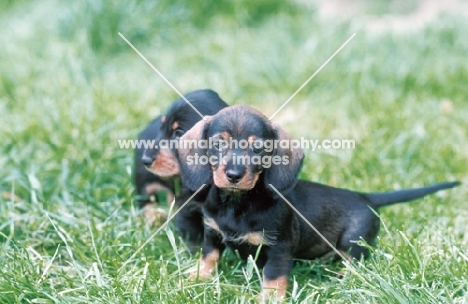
point(380, 199)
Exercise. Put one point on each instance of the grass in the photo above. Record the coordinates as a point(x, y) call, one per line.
point(70, 88)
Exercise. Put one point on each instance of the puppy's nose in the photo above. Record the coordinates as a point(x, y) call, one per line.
point(146, 160)
point(234, 175)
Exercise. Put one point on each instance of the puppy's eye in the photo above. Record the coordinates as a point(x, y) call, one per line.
point(257, 147)
point(217, 145)
point(178, 133)
point(220, 145)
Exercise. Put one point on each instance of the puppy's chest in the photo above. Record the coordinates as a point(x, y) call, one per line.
point(237, 231)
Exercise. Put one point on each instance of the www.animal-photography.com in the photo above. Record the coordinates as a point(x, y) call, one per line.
point(234, 151)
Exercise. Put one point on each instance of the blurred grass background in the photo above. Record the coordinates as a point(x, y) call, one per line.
point(70, 87)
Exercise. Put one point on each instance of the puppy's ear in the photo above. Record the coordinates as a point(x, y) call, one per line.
point(193, 173)
point(284, 175)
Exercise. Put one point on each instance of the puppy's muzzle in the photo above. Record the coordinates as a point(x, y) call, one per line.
point(234, 175)
point(147, 160)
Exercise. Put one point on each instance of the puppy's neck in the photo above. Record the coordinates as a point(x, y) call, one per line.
point(232, 197)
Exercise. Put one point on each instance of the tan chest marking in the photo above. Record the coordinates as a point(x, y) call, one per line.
point(255, 238)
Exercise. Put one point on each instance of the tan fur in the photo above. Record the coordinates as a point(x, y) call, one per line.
point(251, 139)
point(154, 188)
point(223, 135)
point(11, 196)
point(219, 177)
point(247, 182)
point(153, 215)
point(211, 223)
point(208, 266)
point(277, 286)
point(255, 238)
point(165, 164)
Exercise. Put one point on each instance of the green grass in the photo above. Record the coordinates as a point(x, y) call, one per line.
point(70, 88)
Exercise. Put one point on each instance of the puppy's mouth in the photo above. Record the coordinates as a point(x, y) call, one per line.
point(247, 182)
point(164, 174)
point(233, 188)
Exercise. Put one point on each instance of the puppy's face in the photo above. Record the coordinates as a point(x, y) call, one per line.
point(237, 149)
point(162, 160)
point(180, 118)
point(239, 152)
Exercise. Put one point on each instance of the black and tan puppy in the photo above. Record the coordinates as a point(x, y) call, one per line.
point(147, 184)
point(156, 169)
point(243, 212)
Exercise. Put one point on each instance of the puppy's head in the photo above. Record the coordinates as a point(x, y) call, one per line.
point(179, 118)
point(236, 149)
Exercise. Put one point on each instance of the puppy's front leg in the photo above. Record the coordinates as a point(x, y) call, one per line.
point(211, 252)
point(275, 273)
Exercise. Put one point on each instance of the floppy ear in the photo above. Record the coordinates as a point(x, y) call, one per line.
point(284, 175)
point(193, 173)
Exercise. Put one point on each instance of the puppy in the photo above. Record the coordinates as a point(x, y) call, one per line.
point(156, 169)
point(244, 212)
point(147, 184)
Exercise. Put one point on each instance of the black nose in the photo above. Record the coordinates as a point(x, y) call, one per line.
point(146, 160)
point(234, 175)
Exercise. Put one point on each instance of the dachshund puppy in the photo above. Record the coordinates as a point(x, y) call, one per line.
point(244, 212)
point(156, 169)
point(147, 184)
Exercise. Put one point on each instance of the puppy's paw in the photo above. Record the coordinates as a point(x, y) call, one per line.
point(200, 272)
point(274, 289)
point(153, 215)
point(207, 265)
point(271, 294)
point(200, 275)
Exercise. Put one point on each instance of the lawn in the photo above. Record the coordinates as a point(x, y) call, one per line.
point(70, 88)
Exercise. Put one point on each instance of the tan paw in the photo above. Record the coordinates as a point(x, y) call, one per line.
point(153, 215)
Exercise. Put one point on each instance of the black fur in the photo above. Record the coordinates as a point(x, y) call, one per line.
point(234, 212)
point(406, 195)
point(189, 220)
point(141, 176)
